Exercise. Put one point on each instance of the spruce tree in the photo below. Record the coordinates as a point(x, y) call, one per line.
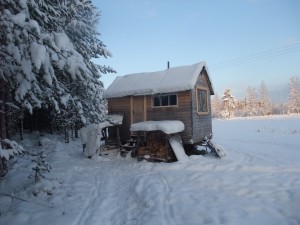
point(46, 51)
point(20, 41)
point(294, 96)
point(265, 102)
point(78, 97)
point(229, 103)
point(216, 106)
point(251, 101)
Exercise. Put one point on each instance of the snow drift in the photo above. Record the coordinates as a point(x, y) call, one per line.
point(257, 183)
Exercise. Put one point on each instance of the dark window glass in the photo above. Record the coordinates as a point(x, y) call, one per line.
point(164, 100)
point(202, 101)
point(156, 101)
point(173, 99)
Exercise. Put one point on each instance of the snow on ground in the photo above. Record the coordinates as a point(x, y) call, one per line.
point(178, 149)
point(258, 182)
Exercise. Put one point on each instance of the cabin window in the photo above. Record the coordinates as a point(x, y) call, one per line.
point(202, 100)
point(164, 100)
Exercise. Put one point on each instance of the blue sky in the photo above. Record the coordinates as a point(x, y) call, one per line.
point(144, 34)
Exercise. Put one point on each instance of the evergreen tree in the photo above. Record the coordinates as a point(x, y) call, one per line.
point(81, 28)
point(252, 102)
point(216, 105)
point(265, 102)
point(47, 48)
point(294, 96)
point(75, 34)
point(20, 42)
point(41, 167)
point(229, 103)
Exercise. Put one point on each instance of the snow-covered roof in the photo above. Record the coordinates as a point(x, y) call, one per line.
point(111, 120)
point(114, 119)
point(167, 126)
point(171, 80)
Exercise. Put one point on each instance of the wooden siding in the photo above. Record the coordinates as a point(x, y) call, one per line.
point(197, 126)
point(121, 106)
point(138, 109)
point(180, 112)
point(202, 124)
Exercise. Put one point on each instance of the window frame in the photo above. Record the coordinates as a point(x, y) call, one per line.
point(164, 95)
point(201, 88)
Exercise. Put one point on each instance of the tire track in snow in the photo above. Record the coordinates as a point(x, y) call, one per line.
point(85, 215)
point(153, 194)
point(106, 200)
point(104, 203)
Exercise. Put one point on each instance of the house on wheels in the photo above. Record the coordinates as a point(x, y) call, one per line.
point(178, 93)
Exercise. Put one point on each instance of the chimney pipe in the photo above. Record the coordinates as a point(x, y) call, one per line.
point(168, 65)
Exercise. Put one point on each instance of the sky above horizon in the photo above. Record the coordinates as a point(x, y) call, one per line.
point(243, 42)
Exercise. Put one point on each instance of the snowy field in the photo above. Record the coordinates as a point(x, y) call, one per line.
point(258, 182)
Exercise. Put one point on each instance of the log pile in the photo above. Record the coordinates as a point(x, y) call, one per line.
point(157, 147)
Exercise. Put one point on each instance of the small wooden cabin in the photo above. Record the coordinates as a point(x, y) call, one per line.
point(179, 93)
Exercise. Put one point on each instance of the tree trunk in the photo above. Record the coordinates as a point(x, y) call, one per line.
point(8, 112)
point(2, 110)
point(76, 129)
point(73, 131)
point(22, 125)
point(3, 167)
point(51, 127)
point(66, 135)
point(3, 162)
point(31, 123)
point(36, 120)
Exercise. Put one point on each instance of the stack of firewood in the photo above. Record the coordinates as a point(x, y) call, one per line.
point(158, 146)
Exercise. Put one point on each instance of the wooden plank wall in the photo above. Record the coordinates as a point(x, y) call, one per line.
point(121, 106)
point(181, 112)
point(197, 127)
point(202, 124)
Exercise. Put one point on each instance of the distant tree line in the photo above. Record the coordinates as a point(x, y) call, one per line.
point(256, 102)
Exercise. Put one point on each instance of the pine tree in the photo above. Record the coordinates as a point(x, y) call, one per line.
point(216, 105)
point(265, 102)
point(81, 28)
point(252, 102)
point(19, 86)
point(41, 167)
point(20, 37)
point(229, 103)
point(47, 48)
point(294, 96)
point(76, 35)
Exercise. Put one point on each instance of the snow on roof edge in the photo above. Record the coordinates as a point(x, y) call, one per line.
point(175, 79)
point(167, 126)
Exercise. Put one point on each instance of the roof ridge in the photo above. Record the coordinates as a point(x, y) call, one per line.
point(170, 80)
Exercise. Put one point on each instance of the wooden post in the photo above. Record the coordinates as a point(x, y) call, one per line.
point(118, 137)
point(138, 143)
point(166, 146)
